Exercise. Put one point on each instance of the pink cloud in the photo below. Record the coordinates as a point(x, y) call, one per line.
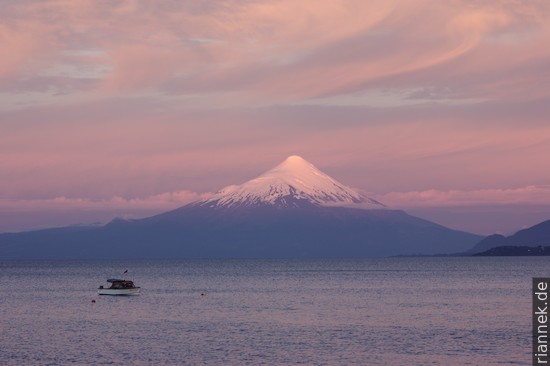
point(19, 44)
point(40, 213)
point(529, 195)
point(159, 202)
point(284, 50)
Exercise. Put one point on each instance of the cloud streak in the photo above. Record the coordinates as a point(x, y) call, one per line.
point(283, 50)
point(529, 195)
point(159, 202)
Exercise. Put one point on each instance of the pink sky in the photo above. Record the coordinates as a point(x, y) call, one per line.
point(130, 108)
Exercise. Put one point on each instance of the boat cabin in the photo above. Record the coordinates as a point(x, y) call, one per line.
point(120, 284)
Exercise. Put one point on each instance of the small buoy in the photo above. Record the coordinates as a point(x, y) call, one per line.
point(93, 301)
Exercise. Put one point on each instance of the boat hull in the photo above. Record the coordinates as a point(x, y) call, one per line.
point(119, 291)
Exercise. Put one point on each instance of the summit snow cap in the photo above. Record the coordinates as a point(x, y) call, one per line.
point(291, 183)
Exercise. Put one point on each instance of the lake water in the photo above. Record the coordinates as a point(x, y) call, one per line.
point(390, 311)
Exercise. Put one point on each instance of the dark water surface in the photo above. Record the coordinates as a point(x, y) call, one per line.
point(391, 311)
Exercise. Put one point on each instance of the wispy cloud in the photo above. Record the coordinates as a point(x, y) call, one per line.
point(529, 195)
point(163, 201)
point(283, 50)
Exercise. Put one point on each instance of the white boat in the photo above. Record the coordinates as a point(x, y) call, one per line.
point(119, 287)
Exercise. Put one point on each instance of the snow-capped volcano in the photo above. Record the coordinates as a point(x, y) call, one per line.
point(293, 182)
point(287, 212)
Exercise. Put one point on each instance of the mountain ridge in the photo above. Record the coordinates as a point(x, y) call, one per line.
point(307, 215)
point(534, 236)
